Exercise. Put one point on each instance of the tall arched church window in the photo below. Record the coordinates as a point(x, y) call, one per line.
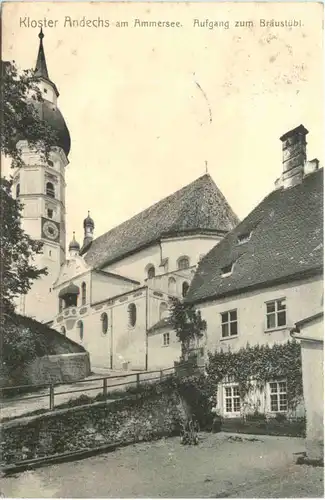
point(183, 263)
point(104, 319)
point(83, 293)
point(80, 327)
point(17, 190)
point(163, 310)
point(171, 285)
point(50, 191)
point(185, 287)
point(132, 311)
point(151, 272)
point(60, 304)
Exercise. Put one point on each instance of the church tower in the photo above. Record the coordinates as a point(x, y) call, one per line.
point(40, 186)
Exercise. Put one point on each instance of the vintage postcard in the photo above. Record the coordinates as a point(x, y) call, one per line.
point(162, 250)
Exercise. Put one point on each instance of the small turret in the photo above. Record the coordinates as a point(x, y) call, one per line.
point(89, 227)
point(74, 247)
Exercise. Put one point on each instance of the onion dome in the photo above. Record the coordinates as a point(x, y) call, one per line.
point(88, 222)
point(74, 245)
point(50, 113)
point(47, 110)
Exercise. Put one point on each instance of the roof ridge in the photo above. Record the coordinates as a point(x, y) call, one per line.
point(165, 198)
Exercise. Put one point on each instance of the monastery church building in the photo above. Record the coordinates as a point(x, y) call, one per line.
point(111, 294)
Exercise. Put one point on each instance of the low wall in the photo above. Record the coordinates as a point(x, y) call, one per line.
point(51, 369)
point(58, 368)
point(126, 421)
point(293, 427)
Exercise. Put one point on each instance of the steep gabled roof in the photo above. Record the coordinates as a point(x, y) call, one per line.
point(198, 207)
point(286, 241)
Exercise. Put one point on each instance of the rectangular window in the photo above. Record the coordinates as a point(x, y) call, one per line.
point(229, 325)
point(232, 399)
point(276, 314)
point(166, 339)
point(278, 396)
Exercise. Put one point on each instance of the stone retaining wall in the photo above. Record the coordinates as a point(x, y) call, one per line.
point(55, 368)
point(129, 420)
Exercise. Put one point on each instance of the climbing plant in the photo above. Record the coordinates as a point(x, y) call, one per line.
point(188, 325)
point(257, 365)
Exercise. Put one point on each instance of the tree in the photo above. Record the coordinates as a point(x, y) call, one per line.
point(19, 117)
point(188, 325)
point(19, 120)
point(16, 252)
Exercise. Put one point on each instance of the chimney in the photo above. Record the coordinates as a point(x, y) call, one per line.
point(293, 156)
point(311, 166)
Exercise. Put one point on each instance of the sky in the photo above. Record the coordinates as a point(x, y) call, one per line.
point(147, 108)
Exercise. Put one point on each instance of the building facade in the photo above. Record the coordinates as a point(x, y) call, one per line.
point(40, 186)
point(108, 293)
point(266, 273)
point(114, 291)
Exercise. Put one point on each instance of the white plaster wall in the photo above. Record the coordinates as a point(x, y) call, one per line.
point(303, 299)
point(32, 227)
point(104, 287)
point(257, 400)
point(134, 266)
point(122, 343)
point(160, 356)
point(154, 307)
point(192, 247)
point(313, 386)
point(31, 180)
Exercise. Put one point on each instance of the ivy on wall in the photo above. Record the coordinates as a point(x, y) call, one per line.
point(257, 365)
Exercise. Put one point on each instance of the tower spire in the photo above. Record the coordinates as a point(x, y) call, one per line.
point(41, 68)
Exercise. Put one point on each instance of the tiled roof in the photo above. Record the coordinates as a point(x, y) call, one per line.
point(200, 206)
point(162, 323)
point(286, 241)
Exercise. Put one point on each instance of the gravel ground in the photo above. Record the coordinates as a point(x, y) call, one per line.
point(222, 465)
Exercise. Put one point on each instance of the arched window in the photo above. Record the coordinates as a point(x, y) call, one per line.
point(50, 189)
point(60, 305)
point(185, 287)
point(104, 320)
point(83, 293)
point(17, 190)
point(63, 330)
point(151, 272)
point(163, 310)
point(183, 263)
point(80, 327)
point(171, 285)
point(132, 310)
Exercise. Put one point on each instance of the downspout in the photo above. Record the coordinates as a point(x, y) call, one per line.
point(111, 340)
point(160, 247)
point(146, 332)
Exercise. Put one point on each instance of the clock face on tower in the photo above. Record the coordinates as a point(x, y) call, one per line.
point(50, 230)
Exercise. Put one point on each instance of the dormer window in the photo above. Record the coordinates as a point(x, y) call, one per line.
point(227, 270)
point(244, 237)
